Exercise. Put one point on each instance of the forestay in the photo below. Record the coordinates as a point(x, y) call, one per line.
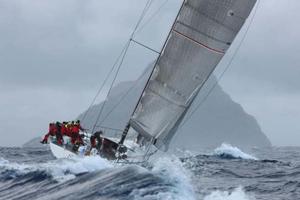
point(203, 31)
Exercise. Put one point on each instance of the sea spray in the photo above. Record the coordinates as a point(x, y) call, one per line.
point(10, 170)
point(172, 169)
point(60, 170)
point(228, 151)
point(237, 194)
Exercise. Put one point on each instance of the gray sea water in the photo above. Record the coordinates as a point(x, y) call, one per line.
point(223, 174)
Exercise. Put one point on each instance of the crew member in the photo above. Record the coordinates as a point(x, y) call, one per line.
point(52, 132)
point(58, 134)
point(96, 140)
point(79, 126)
point(69, 129)
point(63, 129)
point(76, 138)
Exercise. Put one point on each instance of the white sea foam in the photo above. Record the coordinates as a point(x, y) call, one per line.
point(61, 170)
point(171, 169)
point(66, 169)
point(19, 169)
point(228, 150)
point(176, 178)
point(237, 194)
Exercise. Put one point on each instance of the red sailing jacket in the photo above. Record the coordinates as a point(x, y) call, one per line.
point(64, 130)
point(75, 128)
point(52, 129)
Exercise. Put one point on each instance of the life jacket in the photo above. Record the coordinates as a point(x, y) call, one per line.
point(75, 128)
point(64, 130)
point(68, 130)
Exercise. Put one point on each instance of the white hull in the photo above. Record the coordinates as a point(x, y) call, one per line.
point(60, 152)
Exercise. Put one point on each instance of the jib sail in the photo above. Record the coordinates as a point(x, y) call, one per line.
point(203, 31)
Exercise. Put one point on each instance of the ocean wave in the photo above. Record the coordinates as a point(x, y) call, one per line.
point(229, 152)
point(165, 178)
point(237, 194)
point(10, 170)
point(205, 177)
point(60, 170)
point(174, 172)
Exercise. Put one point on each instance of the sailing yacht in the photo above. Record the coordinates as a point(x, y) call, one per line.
point(201, 34)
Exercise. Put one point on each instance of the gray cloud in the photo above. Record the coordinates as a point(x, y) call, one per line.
point(57, 43)
point(270, 53)
point(55, 54)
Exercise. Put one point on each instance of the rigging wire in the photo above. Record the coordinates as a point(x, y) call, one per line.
point(113, 81)
point(146, 8)
point(103, 84)
point(152, 16)
point(124, 96)
point(117, 60)
point(144, 12)
point(224, 71)
point(134, 86)
point(148, 4)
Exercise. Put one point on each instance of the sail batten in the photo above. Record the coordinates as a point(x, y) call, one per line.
point(199, 43)
point(174, 96)
point(201, 35)
point(212, 19)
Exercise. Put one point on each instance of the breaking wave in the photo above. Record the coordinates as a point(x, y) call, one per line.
point(164, 178)
point(60, 170)
point(173, 169)
point(237, 194)
point(229, 152)
point(34, 174)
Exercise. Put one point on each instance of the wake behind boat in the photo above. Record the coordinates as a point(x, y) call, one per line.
point(201, 34)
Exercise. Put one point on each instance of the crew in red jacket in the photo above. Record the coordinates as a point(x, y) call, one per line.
point(69, 129)
point(59, 138)
point(52, 132)
point(59, 130)
point(79, 126)
point(75, 136)
point(64, 129)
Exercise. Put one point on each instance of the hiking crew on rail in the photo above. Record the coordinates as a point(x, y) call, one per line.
point(69, 129)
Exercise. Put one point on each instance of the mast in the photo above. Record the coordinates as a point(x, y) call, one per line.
point(127, 127)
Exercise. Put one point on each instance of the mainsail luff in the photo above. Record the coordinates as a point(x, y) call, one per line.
point(200, 36)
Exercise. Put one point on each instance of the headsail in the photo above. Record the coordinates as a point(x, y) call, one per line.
point(203, 31)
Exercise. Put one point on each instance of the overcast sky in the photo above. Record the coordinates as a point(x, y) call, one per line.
point(54, 54)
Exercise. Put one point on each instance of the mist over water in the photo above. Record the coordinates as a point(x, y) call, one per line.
point(225, 174)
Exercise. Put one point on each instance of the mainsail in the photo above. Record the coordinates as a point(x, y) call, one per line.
point(200, 36)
